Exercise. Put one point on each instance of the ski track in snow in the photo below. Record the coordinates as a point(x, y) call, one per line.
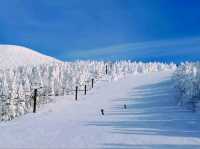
point(151, 120)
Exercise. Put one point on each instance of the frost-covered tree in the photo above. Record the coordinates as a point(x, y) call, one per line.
point(17, 85)
point(187, 83)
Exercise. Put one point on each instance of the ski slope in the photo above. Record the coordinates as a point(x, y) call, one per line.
point(151, 120)
point(14, 56)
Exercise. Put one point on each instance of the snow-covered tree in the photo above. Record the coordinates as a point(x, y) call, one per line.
point(17, 85)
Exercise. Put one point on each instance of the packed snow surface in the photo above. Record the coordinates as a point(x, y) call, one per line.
point(14, 56)
point(151, 121)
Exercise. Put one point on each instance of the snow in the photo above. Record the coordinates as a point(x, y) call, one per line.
point(187, 83)
point(151, 120)
point(54, 79)
point(13, 56)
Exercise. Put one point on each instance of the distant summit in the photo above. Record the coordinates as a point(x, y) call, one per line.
point(14, 56)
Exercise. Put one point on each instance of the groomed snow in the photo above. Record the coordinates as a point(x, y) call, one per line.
point(14, 56)
point(151, 120)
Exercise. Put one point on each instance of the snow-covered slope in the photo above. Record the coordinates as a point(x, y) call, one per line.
point(151, 121)
point(13, 56)
point(16, 85)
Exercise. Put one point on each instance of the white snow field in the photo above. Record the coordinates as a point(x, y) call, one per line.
point(151, 121)
point(14, 56)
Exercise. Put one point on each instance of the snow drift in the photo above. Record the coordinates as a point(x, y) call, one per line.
point(14, 56)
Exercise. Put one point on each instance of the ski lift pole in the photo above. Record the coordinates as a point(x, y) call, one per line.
point(76, 93)
point(92, 83)
point(34, 100)
point(85, 89)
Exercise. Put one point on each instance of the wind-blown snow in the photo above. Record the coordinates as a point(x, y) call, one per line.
point(14, 56)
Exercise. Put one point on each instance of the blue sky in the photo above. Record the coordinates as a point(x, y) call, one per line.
point(163, 30)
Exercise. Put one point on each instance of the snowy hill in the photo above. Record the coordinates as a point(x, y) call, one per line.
point(13, 56)
point(152, 120)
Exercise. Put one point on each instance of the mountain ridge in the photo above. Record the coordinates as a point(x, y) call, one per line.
point(12, 56)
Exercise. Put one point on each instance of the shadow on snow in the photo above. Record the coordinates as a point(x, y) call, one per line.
point(151, 110)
